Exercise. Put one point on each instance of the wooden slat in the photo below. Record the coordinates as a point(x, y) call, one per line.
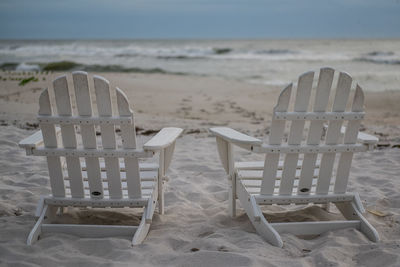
point(50, 141)
point(275, 138)
point(45, 109)
point(333, 133)
point(146, 193)
point(144, 185)
point(257, 175)
point(104, 107)
point(63, 102)
point(256, 191)
point(296, 132)
point(350, 137)
point(84, 105)
point(143, 166)
point(316, 128)
point(257, 183)
point(259, 165)
point(128, 133)
point(144, 176)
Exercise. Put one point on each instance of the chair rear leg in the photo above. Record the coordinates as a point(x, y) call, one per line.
point(47, 213)
point(146, 221)
point(160, 195)
point(160, 182)
point(232, 196)
point(142, 230)
point(257, 218)
point(351, 212)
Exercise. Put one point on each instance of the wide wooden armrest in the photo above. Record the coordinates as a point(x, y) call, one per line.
point(35, 140)
point(363, 137)
point(162, 139)
point(234, 136)
point(32, 141)
point(367, 138)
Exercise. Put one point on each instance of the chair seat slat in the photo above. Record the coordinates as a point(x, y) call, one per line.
point(144, 185)
point(144, 166)
point(257, 175)
point(259, 165)
point(144, 175)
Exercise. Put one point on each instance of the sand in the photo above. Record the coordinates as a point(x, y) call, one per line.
point(196, 230)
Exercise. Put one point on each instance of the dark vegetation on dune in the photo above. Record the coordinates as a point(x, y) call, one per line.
point(276, 51)
point(8, 66)
point(27, 80)
point(60, 66)
point(220, 51)
point(380, 57)
point(379, 61)
point(380, 53)
point(71, 66)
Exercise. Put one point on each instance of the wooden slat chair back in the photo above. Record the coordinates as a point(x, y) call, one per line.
point(89, 164)
point(307, 157)
point(89, 181)
point(310, 177)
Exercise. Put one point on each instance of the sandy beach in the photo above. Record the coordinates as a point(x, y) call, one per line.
point(196, 229)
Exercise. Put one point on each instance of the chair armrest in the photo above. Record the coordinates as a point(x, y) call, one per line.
point(163, 139)
point(363, 137)
point(235, 137)
point(367, 138)
point(32, 141)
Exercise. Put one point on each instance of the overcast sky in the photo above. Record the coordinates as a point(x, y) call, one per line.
point(214, 19)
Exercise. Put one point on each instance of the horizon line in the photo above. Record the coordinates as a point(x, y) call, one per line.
point(201, 38)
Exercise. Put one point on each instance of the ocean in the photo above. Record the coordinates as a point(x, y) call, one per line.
point(271, 62)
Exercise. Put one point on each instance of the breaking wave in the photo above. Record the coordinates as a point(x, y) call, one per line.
point(380, 57)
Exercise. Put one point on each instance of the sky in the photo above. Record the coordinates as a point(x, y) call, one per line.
point(198, 19)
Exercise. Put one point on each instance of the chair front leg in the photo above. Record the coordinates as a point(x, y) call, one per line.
point(161, 174)
point(232, 181)
point(232, 196)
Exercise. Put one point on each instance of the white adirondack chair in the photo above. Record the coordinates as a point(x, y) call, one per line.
point(300, 171)
point(98, 173)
